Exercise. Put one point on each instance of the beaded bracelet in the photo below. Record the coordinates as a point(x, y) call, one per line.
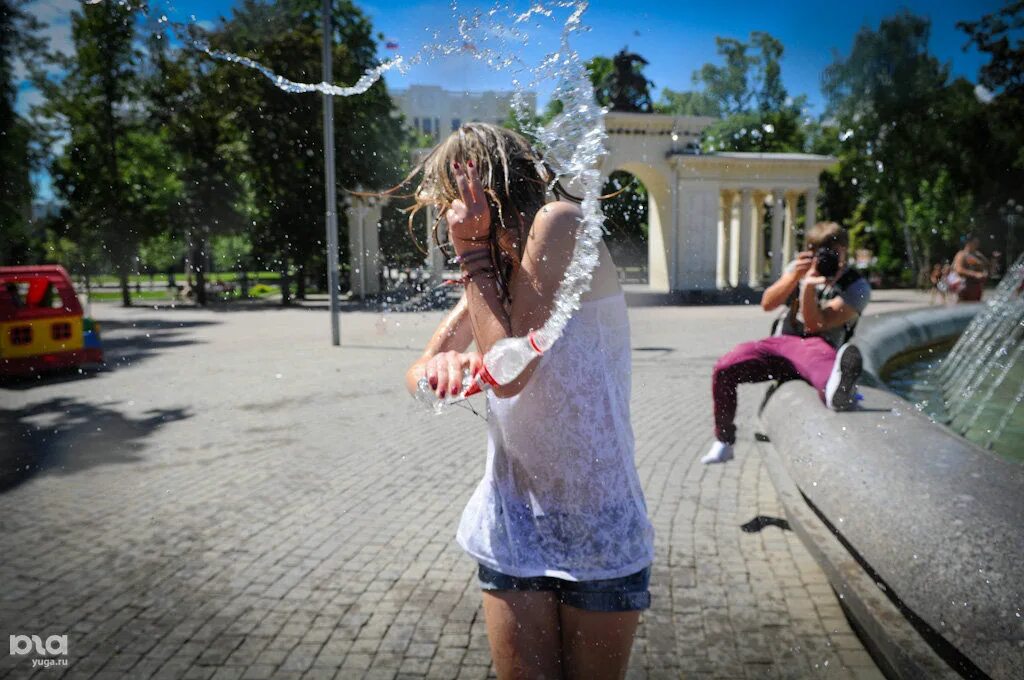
point(473, 255)
point(477, 266)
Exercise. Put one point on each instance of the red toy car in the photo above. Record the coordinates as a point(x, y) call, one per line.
point(42, 326)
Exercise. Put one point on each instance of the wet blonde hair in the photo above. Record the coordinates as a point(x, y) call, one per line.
point(516, 180)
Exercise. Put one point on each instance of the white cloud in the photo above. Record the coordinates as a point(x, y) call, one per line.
point(983, 94)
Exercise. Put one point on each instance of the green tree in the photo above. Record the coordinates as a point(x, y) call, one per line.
point(283, 132)
point(998, 35)
point(770, 93)
point(626, 218)
point(938, 216)
point(184, 91)
point(728, 85)
point(896, 120)
point(161, 253)
point(20, 43)
point(688, 103)
point(112, 172)
point(762, 131)
point(747, 89)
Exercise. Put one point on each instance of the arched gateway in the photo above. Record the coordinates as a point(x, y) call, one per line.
point(707, 211)
point(706, 215)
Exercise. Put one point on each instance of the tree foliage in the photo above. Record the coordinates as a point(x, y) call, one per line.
point(112, 173)
point(689, 103)
point(282, 132)
point(1000, 36)
point(747, 90)
point(20, 48)
point(903, 131)
point(750, 78)
point(626, 218)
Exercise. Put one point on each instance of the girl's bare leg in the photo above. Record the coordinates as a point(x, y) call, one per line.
point(596, 645)
point(524, 634)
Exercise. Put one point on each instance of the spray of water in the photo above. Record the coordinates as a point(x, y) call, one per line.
point(573, 142)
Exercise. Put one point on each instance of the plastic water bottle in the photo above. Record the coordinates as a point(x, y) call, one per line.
point(425, 393)
point(502, 364)
point(508, 357)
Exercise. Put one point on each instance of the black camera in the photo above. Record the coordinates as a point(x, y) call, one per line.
point(826, 262)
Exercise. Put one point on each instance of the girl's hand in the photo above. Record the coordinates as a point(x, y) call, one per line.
point(469, 218)
point(444, 371)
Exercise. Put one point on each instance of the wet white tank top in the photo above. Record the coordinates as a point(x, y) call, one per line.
point(560, 495)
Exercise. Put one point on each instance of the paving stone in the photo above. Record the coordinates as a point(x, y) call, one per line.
point(279, 509)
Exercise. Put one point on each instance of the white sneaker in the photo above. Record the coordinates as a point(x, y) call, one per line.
point(719, 453)
point(841, 388)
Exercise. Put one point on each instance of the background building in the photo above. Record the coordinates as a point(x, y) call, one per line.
point(434, 111)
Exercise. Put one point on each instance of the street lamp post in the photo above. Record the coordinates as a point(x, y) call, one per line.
point(329, 182)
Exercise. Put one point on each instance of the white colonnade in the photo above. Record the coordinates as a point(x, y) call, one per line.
point(707, 212)
point(751, 252)
point(736, 217)
point(363, 215)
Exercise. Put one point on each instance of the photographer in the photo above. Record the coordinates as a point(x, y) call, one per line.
point(823, 299)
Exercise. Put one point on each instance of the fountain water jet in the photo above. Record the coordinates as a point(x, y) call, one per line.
point(978, 387)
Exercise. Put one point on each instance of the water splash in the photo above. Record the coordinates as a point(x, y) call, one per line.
point(978, 388)
point(573, 142)
point(364, 83)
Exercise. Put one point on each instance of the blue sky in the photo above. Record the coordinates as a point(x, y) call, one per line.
point(676, 37)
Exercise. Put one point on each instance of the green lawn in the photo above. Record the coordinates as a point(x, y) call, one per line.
point(180, 277)
point(258, 290)
point(105, 295)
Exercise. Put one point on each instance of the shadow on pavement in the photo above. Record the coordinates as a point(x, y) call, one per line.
point(64, 436)
point(124, 344)
point(760, 522)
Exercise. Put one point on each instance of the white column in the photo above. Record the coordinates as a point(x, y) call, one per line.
point(811, 209)
point(757, 242)
point(371, 247)
point(364, 246)
point(789, 244)
point(778, 206)
point(698, 210)
point(734, 241)
point(663, 226)
point(723, 275)
point(746, 228)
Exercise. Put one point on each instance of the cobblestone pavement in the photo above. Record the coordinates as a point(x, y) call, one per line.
point(237, 499)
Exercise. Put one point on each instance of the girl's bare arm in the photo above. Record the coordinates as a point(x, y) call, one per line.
point(453, 336)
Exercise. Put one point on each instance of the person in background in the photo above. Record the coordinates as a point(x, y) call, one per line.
point(823, 298)
point(938, 284)
point(972, 269)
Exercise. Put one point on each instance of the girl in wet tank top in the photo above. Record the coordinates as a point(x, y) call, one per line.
point(558, 525)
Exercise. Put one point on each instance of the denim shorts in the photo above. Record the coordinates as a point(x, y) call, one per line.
point(626, 594)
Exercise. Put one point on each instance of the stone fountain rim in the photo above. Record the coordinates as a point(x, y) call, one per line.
point(960, 503)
